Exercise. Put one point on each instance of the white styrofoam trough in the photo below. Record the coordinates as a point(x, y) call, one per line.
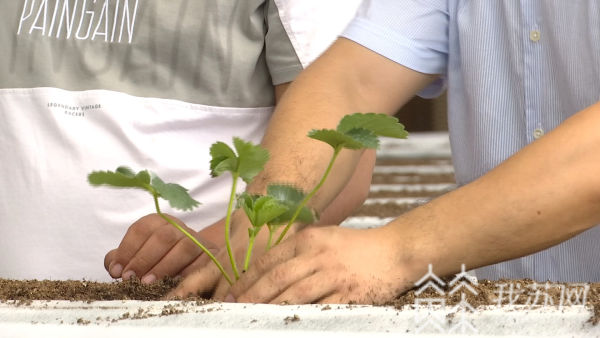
point(158, 319)
point(417, 145)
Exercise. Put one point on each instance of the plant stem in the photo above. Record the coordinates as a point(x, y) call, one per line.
point(185, 232)
point(228, 226)
point(249, 252)
point(336, 152)
point(270, 239)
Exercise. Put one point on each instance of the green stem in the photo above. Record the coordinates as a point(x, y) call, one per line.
point(336, 152)
point(270, 239)
point(228, 226)
point(249, 252)
point(185, 232)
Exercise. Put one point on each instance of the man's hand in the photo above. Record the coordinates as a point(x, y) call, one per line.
point(326, 265)
point(208, 282)
point(153, 249)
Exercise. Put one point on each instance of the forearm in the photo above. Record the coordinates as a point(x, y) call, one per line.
point(354, 193)
point(319, 98)
point(545, 194)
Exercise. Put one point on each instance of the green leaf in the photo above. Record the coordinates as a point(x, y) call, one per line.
point(335, 138)
point(261, 209)
point(363, 136)
point(291, 197)
point(249, 161)
point(121, 178)
point(354, 139)
point(177, 196)
point(143, 176)
point(379, 124)
point(222, 159)
point(251, 158)
point(125, 171)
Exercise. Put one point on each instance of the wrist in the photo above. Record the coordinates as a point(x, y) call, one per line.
point(409, 251)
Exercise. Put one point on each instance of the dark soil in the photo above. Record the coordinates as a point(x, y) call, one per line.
point(83, 290)
point(487, 295)
point(24, 292)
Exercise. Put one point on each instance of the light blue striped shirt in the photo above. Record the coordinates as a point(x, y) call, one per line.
point(514, 70)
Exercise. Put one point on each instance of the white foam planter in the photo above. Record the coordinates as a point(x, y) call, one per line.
point(417, 145)
point(146, 319)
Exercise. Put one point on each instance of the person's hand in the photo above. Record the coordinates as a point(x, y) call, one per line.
point(208, 281)
point(326, 265)
point(153, 249)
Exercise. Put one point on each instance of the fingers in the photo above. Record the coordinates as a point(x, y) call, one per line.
point(157, 246)
point(309, 289)
point(201, 282)
point(153, 249)
point(163, 255)
point(198, 263)
point(262, 265)
point(109, 262)
point(136, 236)
point(222, 290)
point(335, 298)
point(276, 281)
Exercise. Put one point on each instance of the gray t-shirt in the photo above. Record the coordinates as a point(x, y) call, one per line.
point(91, 85)
point(213, 52)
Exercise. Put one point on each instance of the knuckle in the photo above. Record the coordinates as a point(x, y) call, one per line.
point(308, 234)
point(139, 229)
point(167, 234)
point(261, 262)
point(189, 248)
point(139, 264)
point(276, 276)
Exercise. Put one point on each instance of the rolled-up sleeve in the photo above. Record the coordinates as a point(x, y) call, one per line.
point(282, 59)
point(413, 33)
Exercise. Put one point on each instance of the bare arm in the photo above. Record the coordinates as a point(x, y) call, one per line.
point(346, 79)
point(545, 194)
point(354, 193)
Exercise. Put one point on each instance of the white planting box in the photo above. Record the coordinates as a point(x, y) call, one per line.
point(148, 319)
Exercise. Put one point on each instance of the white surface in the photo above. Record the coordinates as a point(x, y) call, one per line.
point(103, 319)
point(415, 169)
point(430, 187)
point(417, 145)
point(363, 222)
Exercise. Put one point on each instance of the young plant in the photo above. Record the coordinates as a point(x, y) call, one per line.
point(283, 204)
point(176, 195)
point(292, 198)
point(246, 164)
point(260, 211)
point(275, 209)
point(355, 131)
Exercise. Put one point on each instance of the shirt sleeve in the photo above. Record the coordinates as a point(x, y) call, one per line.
point(413, 33)
point(282, 60)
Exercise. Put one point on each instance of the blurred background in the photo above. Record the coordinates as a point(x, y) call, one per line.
point(424, 114)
